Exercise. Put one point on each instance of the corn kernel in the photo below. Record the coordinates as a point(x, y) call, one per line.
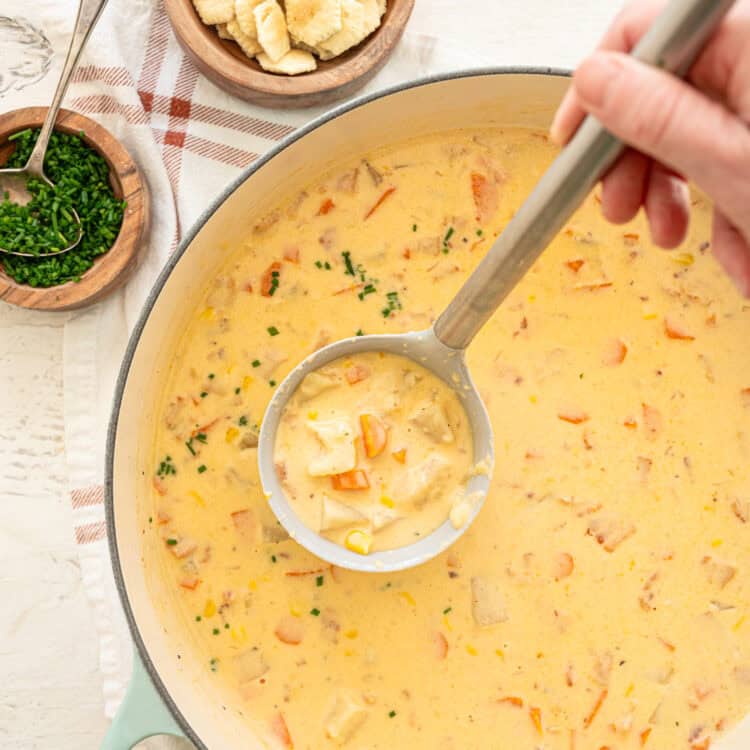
point(630, 690)
point(295, 610)
point(471, 650)
point(737, 625)
point(210, 609)
point(358, 541)
point(650, 316)
point(499, 652)
point(684, 259)
point(252, 585)
point(400, 456)
point(351, 634)
point(407, 597)
point(716, 543)
point(532, 399)
point(387, 501)
point(247, 381)
point(208, 314)
point(312, 414)
point(232, 434)
point(447, 623)
point(198, 499)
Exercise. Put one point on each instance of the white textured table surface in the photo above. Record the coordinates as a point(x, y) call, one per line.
point(50, 689)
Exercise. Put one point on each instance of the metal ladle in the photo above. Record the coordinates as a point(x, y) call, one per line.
point(14, 181)
point(672, 43)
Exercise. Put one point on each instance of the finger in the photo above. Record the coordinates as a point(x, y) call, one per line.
point(667, 206)
point(629, 26)
point(732, 250)
point(673, 123)
point(624, 187)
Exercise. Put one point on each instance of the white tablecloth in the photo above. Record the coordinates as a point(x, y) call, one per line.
point(51, 643)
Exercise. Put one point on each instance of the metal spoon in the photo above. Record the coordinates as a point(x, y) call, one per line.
point(672, 43)
point(14, 182)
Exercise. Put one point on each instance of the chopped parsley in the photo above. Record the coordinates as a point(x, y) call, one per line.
point(242, 421)
point(315, 612)
point(166, 467)
point(368, 289)
point(274, 283)
point(319, 581)
point(359, 332)
point(347, 256)
point(446, 240)
point(393, 303)
point(272, 331)
point(171, 542)
point(202, 468)
point(256, 363)
point(201, 437)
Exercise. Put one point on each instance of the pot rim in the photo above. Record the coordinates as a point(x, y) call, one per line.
point(156, 290)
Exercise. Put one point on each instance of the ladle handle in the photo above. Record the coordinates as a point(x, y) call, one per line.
point(672, 43)
point(88, 14)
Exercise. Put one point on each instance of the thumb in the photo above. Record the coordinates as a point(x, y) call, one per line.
point(672, 122)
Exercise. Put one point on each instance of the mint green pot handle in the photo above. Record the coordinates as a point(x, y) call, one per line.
point(141, 715)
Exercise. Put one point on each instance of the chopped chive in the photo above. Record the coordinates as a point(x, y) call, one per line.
point(319, 581)
point(216, 631)
point(242, 421)
point(446, 610)
point(391, 714)
point(189, 445)
point(272, 383)
point(273, 558)
point(272, 331)
point(171, 542)
point(198, 618)
point(479, 232)
point(413, 227)
point(318, 264)
point(202, 468)
point(204, 394)
point(236, 391)
point(256, 363)
point(211, 376)
point(348, 262)
point(359, 332)
point(448, 235)
point(315, 612)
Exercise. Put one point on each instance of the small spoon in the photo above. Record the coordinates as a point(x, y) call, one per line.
point(14, 181)
point(672, 43)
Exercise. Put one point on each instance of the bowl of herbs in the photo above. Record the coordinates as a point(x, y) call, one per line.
point(95, 177)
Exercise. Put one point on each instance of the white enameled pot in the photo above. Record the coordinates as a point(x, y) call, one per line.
point(171, 695)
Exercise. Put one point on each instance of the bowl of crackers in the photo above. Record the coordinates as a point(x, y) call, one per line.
point(289, 53)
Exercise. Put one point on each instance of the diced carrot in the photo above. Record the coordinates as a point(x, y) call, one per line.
point(204, 428)
point(355, 374)
point(645, 734)
point(291, 255)
point(704, 745)
point(406, 253)
point(162, 518)
point(301, 573)
point(535, 714)
point(289, 631)
point(676, 330)
point(630, 423)
point(249, 288)
point(159, 486)
point(441, 646)
point(400, 455)
point(588, 721)
point(386, 194)
point(356, 479)
point(326, 207)
point(266, 281)
point(374, 435)
point(631, 237)
point(190, 582)
point(594, 285)
point(486, 196)
point(575, 265)
point(350, 288)
point(512, 700)
point(564, 565)
point(281, 731)
point(573, 416)
point(614, 352)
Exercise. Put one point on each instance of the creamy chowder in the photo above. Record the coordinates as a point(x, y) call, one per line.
point(601, 597)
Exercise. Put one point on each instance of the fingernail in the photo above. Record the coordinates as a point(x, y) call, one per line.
point(556, 132)
point(594, 78)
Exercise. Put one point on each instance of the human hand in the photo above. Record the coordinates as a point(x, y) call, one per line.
point(698, 130)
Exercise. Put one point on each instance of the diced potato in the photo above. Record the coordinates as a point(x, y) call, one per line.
point(183, 548)
point(337, 438)
point(431, 418)
point(423, 481)
point(247, 524)
point(316, 383)
point(336, 515)
point(609, 531)
point(345, 717)
point(718, 573)
point(383, 517)
point(250, 665)
point(487, 601)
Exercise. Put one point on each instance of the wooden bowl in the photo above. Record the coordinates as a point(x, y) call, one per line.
point(113, 268)
point(224, 63)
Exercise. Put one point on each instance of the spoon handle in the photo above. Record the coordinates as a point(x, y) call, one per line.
point(672, 43)
point(88, 15)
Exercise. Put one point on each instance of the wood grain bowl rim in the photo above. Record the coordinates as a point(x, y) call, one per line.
point(231, 69)
point(114, 267)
